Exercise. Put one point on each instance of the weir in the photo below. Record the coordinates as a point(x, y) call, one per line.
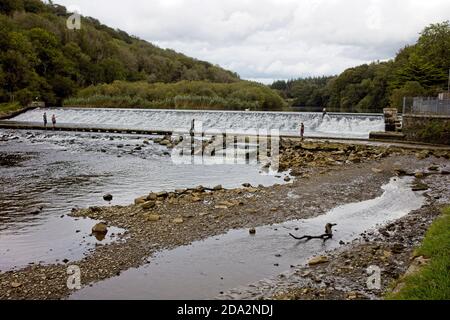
point(165, 121)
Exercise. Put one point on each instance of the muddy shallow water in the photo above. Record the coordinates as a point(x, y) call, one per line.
point(211, 267)
point(59, 171)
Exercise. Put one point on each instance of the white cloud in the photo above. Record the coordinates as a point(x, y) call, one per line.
point(274, 39)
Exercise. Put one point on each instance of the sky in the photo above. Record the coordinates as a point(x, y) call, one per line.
point(267, 40)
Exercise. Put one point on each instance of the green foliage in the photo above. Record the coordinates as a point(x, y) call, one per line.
point(41, 56)
point(435, 132)
point(181, 95)
point(409, 89)
point(8, 108)
point(433, 281)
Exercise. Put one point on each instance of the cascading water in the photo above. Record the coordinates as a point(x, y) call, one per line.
point(316, 125)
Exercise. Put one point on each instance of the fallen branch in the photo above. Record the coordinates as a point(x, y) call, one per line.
point(323, 236)
point(327, 235)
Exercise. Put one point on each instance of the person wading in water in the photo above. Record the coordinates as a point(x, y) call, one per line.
point(324, 112)
point(45, 120)
point(54, 121)
point(302, 131)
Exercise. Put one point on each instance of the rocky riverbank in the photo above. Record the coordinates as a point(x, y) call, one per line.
point(328, 175)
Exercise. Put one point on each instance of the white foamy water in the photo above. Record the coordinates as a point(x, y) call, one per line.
point(332, 125)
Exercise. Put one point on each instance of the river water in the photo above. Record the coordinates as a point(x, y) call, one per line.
point(63, 170)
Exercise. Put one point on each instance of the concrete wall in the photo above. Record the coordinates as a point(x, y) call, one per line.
point(426, 128)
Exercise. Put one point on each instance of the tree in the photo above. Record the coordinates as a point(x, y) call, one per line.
point(409, 89)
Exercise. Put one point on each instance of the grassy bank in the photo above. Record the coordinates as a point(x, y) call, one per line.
point(8, 108)
point(181, 95)
point(432, 282)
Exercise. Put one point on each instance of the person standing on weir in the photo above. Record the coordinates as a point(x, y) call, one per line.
point(45, 120)
point(302, 131)
point(192, 132)
point(54, 121)
point(324, 112)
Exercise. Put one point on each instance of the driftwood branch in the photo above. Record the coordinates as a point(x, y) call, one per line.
point(327, 235)
point(323, 236)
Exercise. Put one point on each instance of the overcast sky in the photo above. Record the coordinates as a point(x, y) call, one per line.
point(265, 40)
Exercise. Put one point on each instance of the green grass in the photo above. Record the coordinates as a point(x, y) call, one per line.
point(432, 282)
point(6, 108)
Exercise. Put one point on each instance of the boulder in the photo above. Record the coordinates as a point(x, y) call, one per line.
point(100, 228)
point(196, 199)
point(178, 220)
point(420, 187)
point(318, 260)
point(165, 142)
point(152, 197)
point(162, 194)
point(218, 187)
point(148, 205)
point(140, 200)
point(152, 217)
point(252, 231)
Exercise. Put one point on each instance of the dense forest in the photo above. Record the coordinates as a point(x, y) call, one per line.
point(40, 57)
point(417, 70)
point(181, 95)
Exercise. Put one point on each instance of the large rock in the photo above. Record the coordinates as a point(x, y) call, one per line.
point(178, 220)
point(152, 217)
point(101, 228)
point(162, 194)
point(318, 260)
point(140, 200)
point(148, 205)
point(152, 197)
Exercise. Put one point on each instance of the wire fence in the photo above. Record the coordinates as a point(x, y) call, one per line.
point(426, 106)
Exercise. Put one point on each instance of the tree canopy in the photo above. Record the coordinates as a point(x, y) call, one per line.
point(42, 58)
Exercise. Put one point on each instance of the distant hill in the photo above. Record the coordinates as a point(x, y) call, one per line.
point(40, 57)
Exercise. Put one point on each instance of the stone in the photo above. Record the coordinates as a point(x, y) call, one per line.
point(162, 194)
point(376, 170)
point(419, 175)
point(165, 142)
point(318, 260)
point(218, 187)
point(15, 284)
point(148, 205)
point(246, 185)
point(220, 207)
point(420, 187)
point(152, 217)
point(252, 231)
point(152, 197)
point(108, 197)
point(140, 200)
point(287, 179)
point(433, 168)
point(100, 228)
point(178, 220)
point(196, 199)
point(445, 172)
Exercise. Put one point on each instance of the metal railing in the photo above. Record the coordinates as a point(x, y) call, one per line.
point(426, 106)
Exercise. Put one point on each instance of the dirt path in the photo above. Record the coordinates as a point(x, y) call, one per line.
point(328, 175)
